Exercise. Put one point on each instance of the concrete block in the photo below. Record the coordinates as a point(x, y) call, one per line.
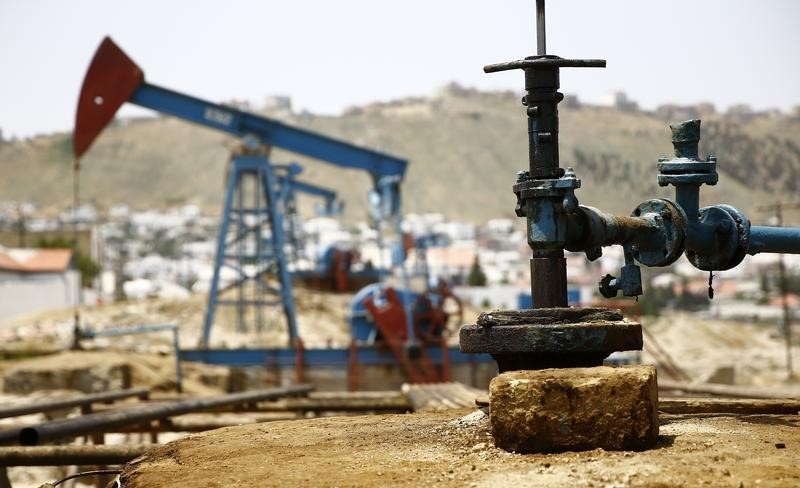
point(85, 376)
point(575, 409)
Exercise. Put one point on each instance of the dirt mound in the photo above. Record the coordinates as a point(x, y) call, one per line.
point(321, 319)
point(701, 346)
point(456, 449)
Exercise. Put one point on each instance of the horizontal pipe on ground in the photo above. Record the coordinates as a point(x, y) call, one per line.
point(26, 353)
point(105, 421)
point(734, 391)
point(742, 406)
point(441, 396)
point(395, 402)
point(324, 402)
point(192, 426)
point(84, 400)
point(71, 455)
point(196, 425)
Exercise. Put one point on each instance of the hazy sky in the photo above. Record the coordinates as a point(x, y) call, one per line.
point(330, 54)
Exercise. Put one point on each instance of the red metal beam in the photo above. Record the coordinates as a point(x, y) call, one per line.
point(110, 81)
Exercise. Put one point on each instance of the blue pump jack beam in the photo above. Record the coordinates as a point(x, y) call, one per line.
point(289, 185)
point(328, 195)
point(268, 131)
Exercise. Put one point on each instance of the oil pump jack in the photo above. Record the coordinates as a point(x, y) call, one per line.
point(411, 326)
point(256, 248)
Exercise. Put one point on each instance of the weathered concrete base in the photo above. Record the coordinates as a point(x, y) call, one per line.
point(575, 409)
point(89, 375)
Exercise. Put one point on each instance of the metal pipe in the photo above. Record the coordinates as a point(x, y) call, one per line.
point(591, 227)
point(549, 281)
point(784, 240)
point(688, 197)
point(143, 329)
point(700, 236)
point(98, 422)
point(38, 407)
point(541, 41)
point(178, 367)
point(91, 455)
point(548, 266)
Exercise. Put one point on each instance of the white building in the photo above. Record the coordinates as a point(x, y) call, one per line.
point(36, 280)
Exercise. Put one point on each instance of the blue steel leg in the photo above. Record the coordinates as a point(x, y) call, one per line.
point(259, 237)
point(278, 242)
point(784, 240)
point(240, 250)
point(218, 260)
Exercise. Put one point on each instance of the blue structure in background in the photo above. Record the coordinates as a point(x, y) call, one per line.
point(367, 355)
point(252, 252)
point(288, 188)
point(524, 300)
point(251, 241)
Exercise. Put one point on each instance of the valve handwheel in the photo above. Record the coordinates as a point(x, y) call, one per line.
point(436, 312)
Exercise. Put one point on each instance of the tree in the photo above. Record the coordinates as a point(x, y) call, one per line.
point(766, 289)
point(476, 275)
point(85, 265)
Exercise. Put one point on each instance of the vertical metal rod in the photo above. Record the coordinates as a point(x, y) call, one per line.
point(787, 321)
point(541, 43)
point(76, 192)
point(178, 367)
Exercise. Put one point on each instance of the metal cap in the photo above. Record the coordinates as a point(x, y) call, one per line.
point(685, 138)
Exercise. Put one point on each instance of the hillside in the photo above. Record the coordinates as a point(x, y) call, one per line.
point(464, 146)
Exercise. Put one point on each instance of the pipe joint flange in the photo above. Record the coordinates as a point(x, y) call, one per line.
point(668, 239)
point(550, 337)
point(698, 179)
point(685, 171)
point(731, 240)
point(545, 188)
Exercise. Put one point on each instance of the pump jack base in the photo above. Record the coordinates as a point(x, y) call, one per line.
point(550, 337)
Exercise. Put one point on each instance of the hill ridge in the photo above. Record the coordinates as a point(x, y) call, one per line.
point(464, 148)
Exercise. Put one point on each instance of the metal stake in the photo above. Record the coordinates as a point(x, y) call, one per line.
point(541, 44)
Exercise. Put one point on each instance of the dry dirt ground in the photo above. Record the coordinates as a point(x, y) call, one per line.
point(321, 318)
point(455, 449)
point(757, 352)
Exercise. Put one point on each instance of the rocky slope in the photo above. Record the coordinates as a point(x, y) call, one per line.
point(464, 147)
